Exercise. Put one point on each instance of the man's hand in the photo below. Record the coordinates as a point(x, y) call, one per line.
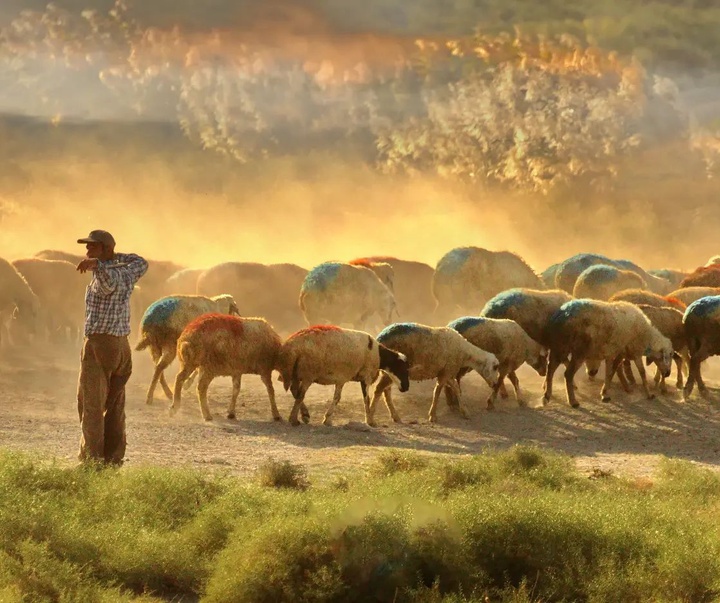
point(85, 265)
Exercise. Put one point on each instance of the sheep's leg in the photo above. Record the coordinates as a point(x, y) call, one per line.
point(204, 379)
point(327, 419)
point(516, 386)
point(191, 379)
point(267, 381)
point(493, 395)
point(383, 387)
point(179, 380)
point(572, 368)
point(237, 384)
point(502, 389)
point(611, 367)
point(643, 377)
point(455, 387)
point(627, 369)
point(620, 371)
point(553, 363)
point(680, 364)
point(299, 402)
point(432, 415)
point(161, 363)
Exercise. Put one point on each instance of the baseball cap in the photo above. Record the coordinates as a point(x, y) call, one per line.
point(99, 236)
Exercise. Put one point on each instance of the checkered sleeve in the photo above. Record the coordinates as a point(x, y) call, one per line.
point(120, 276)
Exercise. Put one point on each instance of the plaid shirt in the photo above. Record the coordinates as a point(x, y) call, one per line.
point(107, 297)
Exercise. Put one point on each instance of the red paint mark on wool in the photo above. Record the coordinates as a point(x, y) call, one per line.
point(367, 262)
point(315, 329)
point(214, 322)
point(676, 302)
point(381, 258)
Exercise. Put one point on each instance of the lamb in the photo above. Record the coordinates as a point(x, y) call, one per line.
point(688, 295)
point(164, 321)
point(259, 290)
point(329, 355)
point(223, 345)
point(412, 287)
point(183, 282)
point(17, 300)
point(585, 329)
point(706, 276)
point(648, 298)
point(383, 270)
point(438, 353)
point(60, 291)
point(702, 329)
point(601, 282)
point(338, 293)
point(467, 277)
point(508, 342)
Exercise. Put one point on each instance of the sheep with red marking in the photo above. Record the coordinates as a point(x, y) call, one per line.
point(383, 270)
point(164, 321)
point(705, 276)
point(438, 353)
point(329, 355)
point(509, 342)
point(222, 345)
point(339, 293)
point(648, 298)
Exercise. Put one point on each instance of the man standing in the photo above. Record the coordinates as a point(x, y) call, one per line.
point(106, 361)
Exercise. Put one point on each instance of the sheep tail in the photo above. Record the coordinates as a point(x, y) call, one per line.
point(143, 343)
point(294, 382)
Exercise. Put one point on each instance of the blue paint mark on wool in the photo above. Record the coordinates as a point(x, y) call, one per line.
point(466, 323)
point(499, 305)
point(703, 306)
point(569, 310)
point(399, 329)
point(160, 311)
point(599, 274)
point(321, 277)
point(454, 259)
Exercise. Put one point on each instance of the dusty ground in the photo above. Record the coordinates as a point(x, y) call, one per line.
point(626, 436)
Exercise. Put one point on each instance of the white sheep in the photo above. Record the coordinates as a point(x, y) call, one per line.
point(164, 321)
point(17, 301)
point(383, 270)
point(339, 293)
point(511, 345)
point(688, 295)
point(467, 277)
point(329, 355)
point(585, 329)
point(183, 282)
point(601, 282)
point(222, 345)
point(438, 353)
point(669, 321)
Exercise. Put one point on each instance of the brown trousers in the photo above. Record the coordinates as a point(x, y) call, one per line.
point(105, 367)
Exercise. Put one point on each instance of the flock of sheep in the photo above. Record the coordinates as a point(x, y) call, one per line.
point(478, 310)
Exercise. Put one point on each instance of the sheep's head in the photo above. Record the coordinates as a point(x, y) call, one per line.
point(486, 365)
point(396, 366)
point(537, 358)
point(592, 367)
point(660, 352)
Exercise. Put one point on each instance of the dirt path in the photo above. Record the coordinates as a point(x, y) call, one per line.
point(626, 436)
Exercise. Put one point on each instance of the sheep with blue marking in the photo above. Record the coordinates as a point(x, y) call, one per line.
point(164, 321)
point(438, 353)
point(702, 329)
point(585, 329)
point(330, 355)
point(467, 277)
point(221, 345)
point(342, 294)
point(602, 282)
point(570, 269)
point(510, 344)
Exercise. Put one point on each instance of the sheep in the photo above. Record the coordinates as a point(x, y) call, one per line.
point(383, 270)
point(601, 282)
point(338, 293)
point(648, 298)
point(674, 277)
point(432, 353)
point(412, 287)
point(669, 321)
point(511, 345)
point(714, 260)
point(571, 268)
point(183, 282)
point(330, 355)
point(702, 329)
point(548, 276)
point(259, 290)
point(688, 295)
point(223, 345)
point(17, 300)
point(706, 276)
point(656, 284)
point(611, 331)
point(55, 254)
point(60, 291)
point(164, 321)
point(466, 277)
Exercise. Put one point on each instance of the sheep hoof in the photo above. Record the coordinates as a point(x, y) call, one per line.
point(397, 419)
point(293, 422)
point(432, 419)
point(651, 396)
point(208, 417)
point(149, 401)
point(504, 395)
point(231, 415)
point(605, 398)
point(545, 400)
point(371, 423)
point(306, 419)
point(522, 403)
point(464, 414)
point(327, 421)
point(277, 418)
point(575, 404)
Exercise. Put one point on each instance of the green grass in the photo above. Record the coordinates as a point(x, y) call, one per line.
point(516, 526)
